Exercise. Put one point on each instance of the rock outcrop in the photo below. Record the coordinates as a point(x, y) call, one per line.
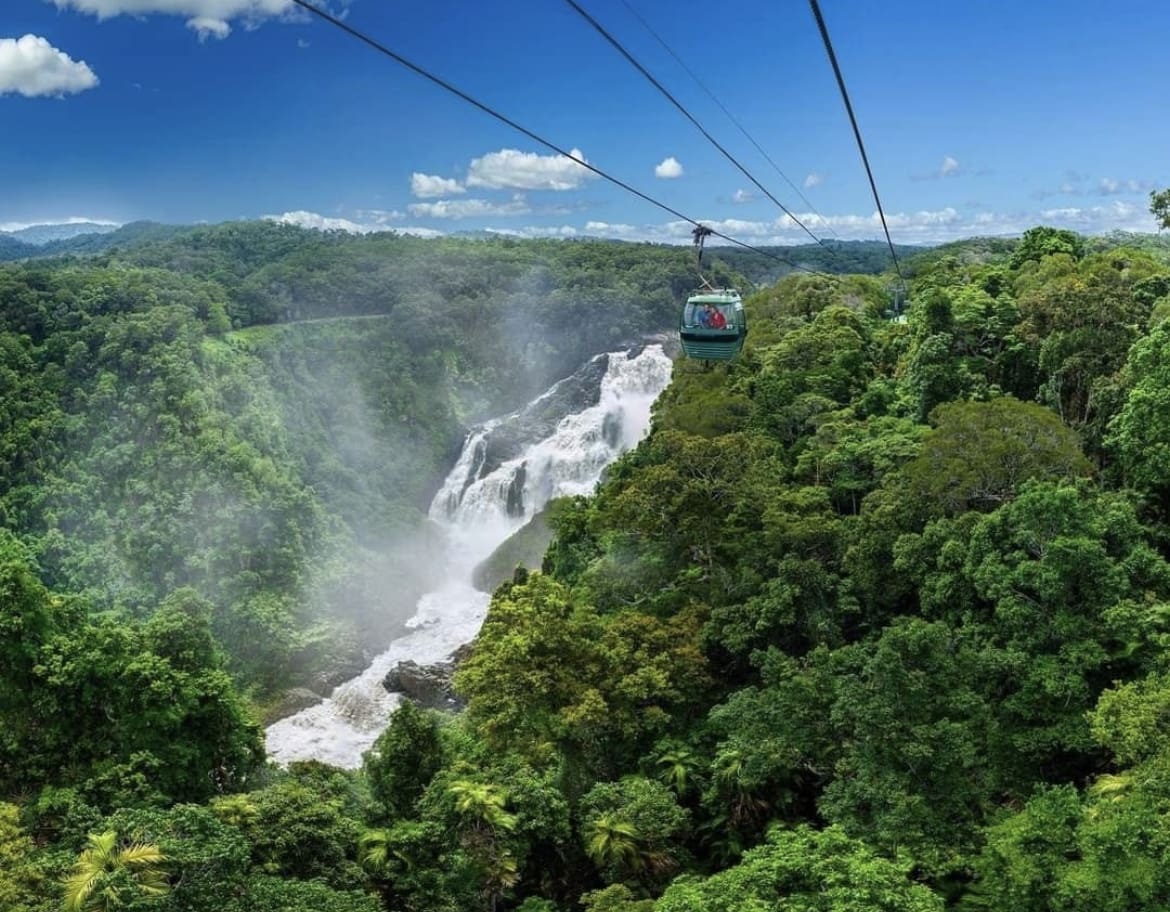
point(290, 703)
point(428, 685)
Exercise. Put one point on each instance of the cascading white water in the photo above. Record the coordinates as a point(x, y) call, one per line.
point(473, 509)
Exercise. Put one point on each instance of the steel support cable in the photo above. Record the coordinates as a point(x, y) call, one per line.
point(308, 6)
point(742, 129)
point(816, 10)
point(687, 114)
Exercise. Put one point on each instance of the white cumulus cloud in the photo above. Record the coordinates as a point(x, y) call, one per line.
point(511, 169)
point(949, 167)
point(378, 217)
point(813, 180)
point(206, 27)
point(207, 18)
point(668, 168)
point(609, 229)
point(537, 231)
point(1109, 187)
point(428, 186)
point(31, 66)
point(469, 208)
point(1117, 216)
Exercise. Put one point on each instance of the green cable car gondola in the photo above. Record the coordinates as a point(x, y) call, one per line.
point(712, 326)
point(708, 337)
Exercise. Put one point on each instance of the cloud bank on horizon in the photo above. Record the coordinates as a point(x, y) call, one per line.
point(927, 227)
point(511, 169)
point(372, 223)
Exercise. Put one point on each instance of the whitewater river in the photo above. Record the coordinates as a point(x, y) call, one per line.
point(478, 507)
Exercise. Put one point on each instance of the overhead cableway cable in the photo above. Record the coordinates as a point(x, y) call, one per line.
point(687, 114)
point(308, 6)
point(742, 129)
point(816, 10)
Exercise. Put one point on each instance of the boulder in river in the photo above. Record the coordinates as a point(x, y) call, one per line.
point(427, 685)
point(291, 702)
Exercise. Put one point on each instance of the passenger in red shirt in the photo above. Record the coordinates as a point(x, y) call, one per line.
point(717, 320)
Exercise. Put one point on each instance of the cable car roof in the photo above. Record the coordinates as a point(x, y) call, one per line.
point(714, 296)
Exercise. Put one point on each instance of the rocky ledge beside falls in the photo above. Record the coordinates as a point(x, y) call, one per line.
point(289, 703)
point(428, 685)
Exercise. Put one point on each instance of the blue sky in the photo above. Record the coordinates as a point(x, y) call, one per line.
point(979, 117)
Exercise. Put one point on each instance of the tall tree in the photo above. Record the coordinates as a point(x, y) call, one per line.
point(803, 869)
point(980, 454)
point(404, 759)
point(1139, 435)
point(1045, 241)
point(1160, 207)
point(19, 879)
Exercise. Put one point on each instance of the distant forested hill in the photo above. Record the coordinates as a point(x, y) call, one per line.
point(832, 256)
point(865, 257)
point(128, 235)
point(46, 233)
point(15, 249)
point(17, 246)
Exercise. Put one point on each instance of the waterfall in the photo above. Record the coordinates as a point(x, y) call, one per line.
point(509, 468)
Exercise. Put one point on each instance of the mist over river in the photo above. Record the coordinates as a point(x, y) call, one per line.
point(508, 470)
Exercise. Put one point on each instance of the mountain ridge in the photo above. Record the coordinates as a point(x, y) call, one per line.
point(46, 232)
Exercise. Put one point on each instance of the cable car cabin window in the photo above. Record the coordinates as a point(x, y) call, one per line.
point(698, 315)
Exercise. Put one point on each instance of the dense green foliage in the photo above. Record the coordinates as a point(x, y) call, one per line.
point(876, 618)
point(146, 445)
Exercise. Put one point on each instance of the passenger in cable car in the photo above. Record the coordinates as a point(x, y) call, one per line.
point(701, 316)
point(715, 318)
